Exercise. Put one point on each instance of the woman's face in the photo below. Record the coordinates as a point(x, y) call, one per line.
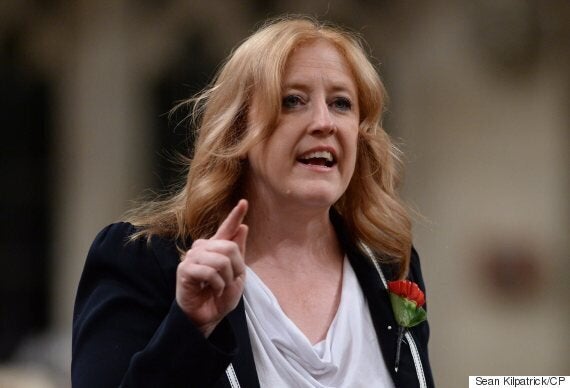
point(309, 159)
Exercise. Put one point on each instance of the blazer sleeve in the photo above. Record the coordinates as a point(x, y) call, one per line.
point(127, 327)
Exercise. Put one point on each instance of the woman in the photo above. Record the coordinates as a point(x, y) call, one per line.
point(268, 267)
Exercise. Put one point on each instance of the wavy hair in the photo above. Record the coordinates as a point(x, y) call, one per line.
point(371, 207)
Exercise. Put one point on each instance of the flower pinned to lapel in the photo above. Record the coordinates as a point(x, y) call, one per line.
point(407, 301)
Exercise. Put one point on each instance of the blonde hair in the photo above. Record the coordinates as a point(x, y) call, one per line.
point(371, 208)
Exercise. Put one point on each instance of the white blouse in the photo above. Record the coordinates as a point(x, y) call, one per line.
point(349, 356)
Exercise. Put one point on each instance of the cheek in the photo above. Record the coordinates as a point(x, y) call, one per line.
point(280, 147)
point(264, 158)
point(352, 150)
point(352, 145)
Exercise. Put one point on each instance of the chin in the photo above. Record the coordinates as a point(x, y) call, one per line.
point(316, 198)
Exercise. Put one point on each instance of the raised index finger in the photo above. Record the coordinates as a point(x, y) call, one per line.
point(230, 226)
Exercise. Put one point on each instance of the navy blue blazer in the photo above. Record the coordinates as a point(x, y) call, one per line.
point(128, 330)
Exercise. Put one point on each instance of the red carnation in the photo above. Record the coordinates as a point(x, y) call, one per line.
point(407, 301)
point(409, 290)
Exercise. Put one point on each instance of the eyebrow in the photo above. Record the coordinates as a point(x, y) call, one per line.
point(336, 87)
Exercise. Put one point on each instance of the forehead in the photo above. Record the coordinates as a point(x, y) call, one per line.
point(317, 59)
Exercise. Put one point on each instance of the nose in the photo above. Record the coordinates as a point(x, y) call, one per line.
point(322, 121)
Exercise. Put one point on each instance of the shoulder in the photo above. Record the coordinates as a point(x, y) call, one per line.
point(118, 238)
point(121, 275)
point(115, 255)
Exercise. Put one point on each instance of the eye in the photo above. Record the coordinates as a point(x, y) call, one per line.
point(291, 101)
point(342, 103)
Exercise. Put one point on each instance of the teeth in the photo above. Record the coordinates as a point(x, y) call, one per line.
point(319, 154)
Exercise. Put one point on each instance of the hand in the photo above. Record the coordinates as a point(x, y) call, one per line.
point(211, 277)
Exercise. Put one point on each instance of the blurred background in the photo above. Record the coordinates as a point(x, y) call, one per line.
point(480, 93)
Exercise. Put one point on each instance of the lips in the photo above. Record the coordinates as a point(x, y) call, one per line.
point(323, 157)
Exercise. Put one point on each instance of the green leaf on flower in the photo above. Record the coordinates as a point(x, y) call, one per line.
point(407, 312)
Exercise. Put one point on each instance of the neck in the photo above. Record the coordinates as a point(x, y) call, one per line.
point(290, 237)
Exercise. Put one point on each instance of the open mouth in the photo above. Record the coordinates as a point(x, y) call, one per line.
point(318, 158)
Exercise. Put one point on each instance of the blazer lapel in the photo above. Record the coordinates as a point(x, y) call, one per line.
point(380, 308)
point(243, 363)
point(376, 295)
